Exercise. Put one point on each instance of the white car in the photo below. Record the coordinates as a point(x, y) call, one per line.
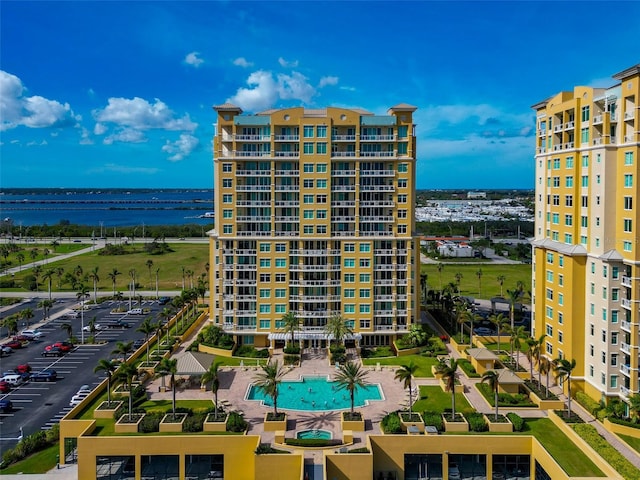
point(97, 326)
point(32, 334)
point(78, 398)
point(454, 472)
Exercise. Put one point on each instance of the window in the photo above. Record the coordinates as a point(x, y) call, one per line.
point(281, 292)
point(402, 183)
point(585, 113)
point(604, 271)
point(568, 201)
point(556, 200)
point(592, 329)
point(308, 168)
point(550, 277)
point(265, 293)
point(265, 308)
point(265, 324)
point(349, 308)
point(560, 299)
point(365, 247)
point(604, 336)
point(308, 131)
point(265, 278)
point(227, 213)
point(349, 262)
point(626, 246)
point(583, 239)
point(568, 220)
point(556, 218)
point(628, 203)
point(561, 260)
point(321, 199)
point(560, 280)
point(349, 293)
point(584, 135)
point(584, 201)
point(365, 263)
point(402, 229)
point(402, 148)
point(556, 181)
point(584, 181)
point(604, 314)
point(591, 370)
point(402, 213)
point(615, 272)
point(549, 294)
point(308, 214)
point(628, 225)
point(265, 247)
point(321, 131)
point(568, 181)
point(549, 312)
point(614, 338)
point(628, 180)
point(585, 160)
point(403, 167)
point(593, 288)
point(556, 163)
point(365, 293)
point(227, 183)
point(402, 198)
point(613, 381)
point(308, 183)
point(281, 262)
point(365, 278)
point(349, 278)
point(604, 292)
point(308, 199)
point(365, 308)
point(281, 278)
point(308, 148)
point(322, 183)
point(550, 257)
point(584, 221)
point(560, 318)
point(226, 167)
point(321, 214)
point(591, 350)
point(614, 316)
point(628, 158)
point(281, 247)
point(593, 267)
point(402, 131)
point(349, 247)
point(603, 357)
point(265, 262)
point(321, 168)
point(549, 348)
point(321, 229)
point(227, 198)
point(615, 294)
point(560, 337)
point(281, 308)
point(321, 148)
point(549, 330)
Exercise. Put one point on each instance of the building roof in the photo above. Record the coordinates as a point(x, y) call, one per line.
point(194, 363)
point(227, 107)
point(571, 250)
point(506, 376)
point(612, 256)
point(405, 107)
point(629, 72)
point(482, 354)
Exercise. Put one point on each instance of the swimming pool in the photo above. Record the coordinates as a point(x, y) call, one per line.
point(314, 434)
point(316, 394)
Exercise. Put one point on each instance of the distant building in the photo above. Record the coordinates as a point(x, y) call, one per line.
point(476, 195)
point(458, 250)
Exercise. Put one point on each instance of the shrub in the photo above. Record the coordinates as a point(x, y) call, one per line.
point(292, 349)
point(267, 448)
point(249, 351)
point(359, 450)
point(627, 423)
point(214, 336)
point(433, 419)
point(391, 423)
point(588, 403)
point(236, 423)
point(186, 410)
point(518, 422)
point(30, 444)
point(310, 442)
point(614, 458)
point(193, 423)
point(291, 359)
point(477, 422)
point(150, 423)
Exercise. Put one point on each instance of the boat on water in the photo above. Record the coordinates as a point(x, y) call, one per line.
point(207, 215)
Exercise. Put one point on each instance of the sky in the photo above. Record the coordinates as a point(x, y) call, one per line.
point(120, 94)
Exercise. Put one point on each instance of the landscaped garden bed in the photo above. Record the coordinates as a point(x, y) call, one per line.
point(354, 422)
point(504, 399)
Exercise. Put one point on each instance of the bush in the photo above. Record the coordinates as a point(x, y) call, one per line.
point(433, 419)
point(214, 336)
point(391, 423)
point(477, 422)
point(194, 423)
point(518, 422)
point(588, 403)
point(291, 359)
point(310, 442)
point(379, 352)
point(236, 423)
point(292, 349)
point(150, 422)
point(614, 458)
point(31, 444)
point(249, 351)
point(267, 448)
point(466, 366)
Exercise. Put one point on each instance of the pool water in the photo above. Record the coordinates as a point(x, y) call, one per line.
point(314, 435)
point(316, 394)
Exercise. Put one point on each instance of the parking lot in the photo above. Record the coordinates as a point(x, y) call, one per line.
point(40, 405)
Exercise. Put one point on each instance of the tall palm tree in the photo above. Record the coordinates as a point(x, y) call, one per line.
point(78, 272)
point(338, 328)
point(537, 351)
point(81, 294)
point(498, 319)
point(544, 367)
point(93, 275)
point(59, 273)
point(108, 367)
point(157, 273)
point(514, 296)
point(350, 377)
point(269, 379)
point(149, 264)
point(516, 335)
point(20, 258)
point(405, 374)
point(68, 329)
point(11, 324)
point(458, 276)
point(36, 271)
point(48, 276)
point(479, 275)
point(291, 323)
point(448, 373)
point(45, 254)
point(33, 253)
point(45, 305)
point(492, 378)
point(147, 328)
point(169, 366)
point(126, 372)
point(159, 328)
point(26, 315)
point(183, 270)
point(132, 285)
point(124, 349)
point(440, 267)
point(213, 375)
point(501, 279)
point(113, 274)
point(563, 369)
point(462, 316)
point(166, 313)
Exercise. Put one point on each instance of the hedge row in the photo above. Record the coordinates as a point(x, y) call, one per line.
point(614, 458)
point(589, 404)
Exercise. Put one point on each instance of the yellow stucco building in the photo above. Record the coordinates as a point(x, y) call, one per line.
point(586, 268)
point(314, 215)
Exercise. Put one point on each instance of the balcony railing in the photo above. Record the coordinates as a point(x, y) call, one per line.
point(625, 370)
point(287, 154)
point(253, 138)
point(253, 188)
point(288, 219)
point(626, 303)
point(343, 138)
point(287, 173)
point(253, 173)
point(287, 138)
point(381, 188)
point(251, 154)
point(625, 348)
point(629, 115)
point(287, 188)
point(597, 119)
point(628, 138)
point(343, 154)
point(343, 188)
point(382, 203)
point(253, 203)
point(597, 141)
point(343, 173)
point(377, 154)
point(374, 138)
point(253, 219)
point(377, 173)
point(380, 219)
point(626, 326)
point(376, 234)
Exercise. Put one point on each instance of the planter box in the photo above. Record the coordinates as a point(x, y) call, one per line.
point(417, 423)
point(127, 427)
point(621, 429)
point(172, 426)
point(435, 373)
point(459, 426)
point(275, 425)
point(353, 425)
point(122, 391)
point(459, 388)
point(545, 404)
point(220, 426)
point(503, 427)
point(106, 412)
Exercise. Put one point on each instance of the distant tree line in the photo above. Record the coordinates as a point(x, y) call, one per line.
point(66, 230)
point(494, 228)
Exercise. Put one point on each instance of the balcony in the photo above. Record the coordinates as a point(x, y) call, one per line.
point(253, 188)
point(383, 298)
point(251, 218)
point(625, 348)
point(343, 138)
point(343, 173)
point(343, 188)
point(287, 203)
point(625, 370)
point(253, 138)
point(248, 298)
point(383, 282)
point(335, 154)
point(316, 314)
point(287, 188)
point(343, 219)
point(384, 313)
point(381, 219)
point(236, 328)
point(287, 154)
point(557, 128)
point(625, 391)
point(597, 140)
point(287, 173)
point(626, 303)
point(253, 173)
point(343, 203)
point(287, 233)
point(377, 173)
point(315, 268)
point(257, 154)
point(253, 233)
point(253, 203)
point(315, 298)
point(314, 253)
point(377, 138)
point(629, 115)
point(377, 154)
point(383, 328)
point(377, 188)
point(568, 146)
point(288, 219)
point(628, 139)
point(287, 138)
point(597, 119)
point(626, 326)
point(384, 252)
point(569, 125)
point(377, 204)
point(376, 234)
point(384, 267)
point(541, 150)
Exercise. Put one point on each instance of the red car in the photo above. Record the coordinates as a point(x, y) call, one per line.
point(14, 344)
point(22, 339)
point(4, 387)
point(24, 368)
point(63, 346)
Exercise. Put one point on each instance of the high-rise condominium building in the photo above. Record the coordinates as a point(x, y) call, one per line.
point(314, 216)
point(586, 270)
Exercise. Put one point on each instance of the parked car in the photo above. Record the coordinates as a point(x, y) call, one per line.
point(51, 351)
point(4, 387)
point(64, 346)
point(5, 405)
point(482, 331)
point(138, 343)
point(84, 388)
point(13, 344)
point(6, 350)
point(23, 368)
point(22, 339)
point(13, 379)
point(72, 314)
point(164, 300)
point(78, 398)
point(32, 334)
point(118, 324)
point(96, 327)
point(135, 311)
point(454, 471)
point(47, 375)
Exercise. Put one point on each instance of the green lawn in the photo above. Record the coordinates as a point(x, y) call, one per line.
point(40, 462)
point(152, 406)
point(633, 442)
point(434, 399)
point(469, 283)
point(424, 363)
point(190, 256)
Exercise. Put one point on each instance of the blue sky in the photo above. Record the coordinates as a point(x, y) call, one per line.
point(119, 94)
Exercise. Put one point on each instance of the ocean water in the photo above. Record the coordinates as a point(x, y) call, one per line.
point(108, 208)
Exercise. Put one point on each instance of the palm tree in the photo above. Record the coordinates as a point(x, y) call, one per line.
point(183, 270)
point(33, 253)
point(113, 274)
point(531, 348)
point(440, 267)
point(338, 328)
point(350, 377)
point(501, 279)
point(514, 296)
point(563, 369)
point(108, 367)
point(405, 374)
point(479, 275)
point(37, 270)
point(149, 264)
point(269, 382)
point(544, 367)
point(146, 328)
point(93, 275)
point(537, 353)
point(448, 373)
point(78, 272)
point(59, 273)
point(634, 405)
point(492, 378)
point(458, 276)
point(45, 253)
point(169, 366)
point(126, 372)
point(81, 295)
point(68, 328)
point(201, 289)
point(159, 327)
point(48, 276)
point(20, 258)
point(27, 314)
point(124, 349)
point(498, 320)
point(516, 335)
point(132, 285)
point(45, 305)
point(212, 375)
point(166, 314)
point(290, 323)
point(11, 324)
point(157, 272)
point(118, 297)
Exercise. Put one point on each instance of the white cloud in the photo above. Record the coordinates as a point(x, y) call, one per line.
point(242, 62)
point(138, 114)
point(264, 90)
point(115, 168)
point(181, 148)
point(34, 143)
point(125, 135)
point(348, 89)
point(85, 137)
point(193, 59)
point(329, 80)
point(32, 112)
point(286, 64)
